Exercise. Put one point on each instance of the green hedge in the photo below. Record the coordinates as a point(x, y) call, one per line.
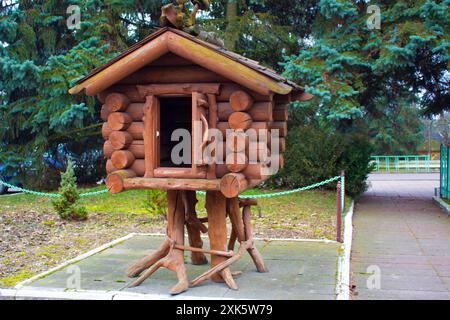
point(314, 155)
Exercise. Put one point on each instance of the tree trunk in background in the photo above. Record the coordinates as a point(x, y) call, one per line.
point(231, 32)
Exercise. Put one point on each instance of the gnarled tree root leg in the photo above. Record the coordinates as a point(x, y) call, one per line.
point(146, 262)
point(194, 227)
point(216, 206)
point(174, 258)
point(243, 231)
point(174, 262)
point(254, 253)
point(221, 266)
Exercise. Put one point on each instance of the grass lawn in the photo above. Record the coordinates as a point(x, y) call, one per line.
point(33, 238)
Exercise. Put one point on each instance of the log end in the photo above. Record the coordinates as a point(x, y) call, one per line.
point(232, 184)
point(241, 101)
point(117, 102)
point(122, 159)
point(119, 121)
point(240, 120)
point(115, 181)
point(120, 140)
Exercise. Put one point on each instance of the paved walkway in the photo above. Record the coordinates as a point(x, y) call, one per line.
point(297, 270)
point(401, 241)
point(403, 185)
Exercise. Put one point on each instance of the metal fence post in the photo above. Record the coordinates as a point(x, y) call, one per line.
point(343, 191)
point(338, 212)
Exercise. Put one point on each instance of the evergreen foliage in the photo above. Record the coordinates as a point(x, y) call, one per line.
point(354, 70)
point(66, 206)
point(40, 59)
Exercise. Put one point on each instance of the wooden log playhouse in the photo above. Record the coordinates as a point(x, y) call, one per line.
point(173, 80)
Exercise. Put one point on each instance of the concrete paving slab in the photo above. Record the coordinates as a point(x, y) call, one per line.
point(401, 240)
point(297, 270)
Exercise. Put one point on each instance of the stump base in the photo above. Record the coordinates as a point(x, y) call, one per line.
point(181, 212)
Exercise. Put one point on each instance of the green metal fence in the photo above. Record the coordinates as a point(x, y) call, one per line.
point(444, 173)
point(406, 163)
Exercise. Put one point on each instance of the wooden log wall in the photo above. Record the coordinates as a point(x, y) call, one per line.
point(240, 110)
point(123, 133)
point(235, 108)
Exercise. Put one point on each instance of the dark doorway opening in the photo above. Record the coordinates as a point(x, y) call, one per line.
point(175, 113)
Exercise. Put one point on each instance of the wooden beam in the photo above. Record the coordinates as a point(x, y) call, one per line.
point(225, 66)
point(174, 89)
point(171, 184)
point(150, 140)
point(124, 67)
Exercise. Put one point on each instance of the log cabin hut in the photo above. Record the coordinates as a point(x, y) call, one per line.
point(172, 80)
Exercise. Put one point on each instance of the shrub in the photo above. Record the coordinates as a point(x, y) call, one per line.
point(313, 155)
point(66, 205)
point(156, 204)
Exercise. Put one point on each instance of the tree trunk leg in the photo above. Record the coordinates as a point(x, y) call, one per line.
point(227, 276)
point(175, 258)
point(193, 227)
point(217, 228)
point(146, 262)
point(253, 251)
point(232, 240)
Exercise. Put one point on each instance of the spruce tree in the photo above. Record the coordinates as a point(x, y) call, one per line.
point(66, 205)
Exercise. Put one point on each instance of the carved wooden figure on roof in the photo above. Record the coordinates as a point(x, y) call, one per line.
point(183, 115)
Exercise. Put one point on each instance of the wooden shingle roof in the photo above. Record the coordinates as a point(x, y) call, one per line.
point(248, 73)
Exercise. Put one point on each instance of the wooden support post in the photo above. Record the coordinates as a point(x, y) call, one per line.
point(243, 231)
point(254, 253)
point(338, 213)
point(174, 260)
point(217, 232)
point(193, 227)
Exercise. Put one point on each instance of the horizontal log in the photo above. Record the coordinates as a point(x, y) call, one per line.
point(258, 152)
point(120, 140)
point(257, 126)
point(119, 121)
point(117, 101)
point(136, 130)
point(130, 91)
point(172, 74)
point(134, 110)
point(241, 101)
point(183, 173)
point(236, 142)
point(114, 181)
point(256, 171)
point(177, 89)
point(136, 148)
point(232, 184)
point(255, 152)
point(281, 126)
point(236, 161)
point(246, 202)
point(138, 167)
point(252, 171)
point(122, 159)
point(261, 111)
point(227, 90)
point(240, 121)
point(171, 59)
point(172, 184)
point(134, 61)
point(281, 112)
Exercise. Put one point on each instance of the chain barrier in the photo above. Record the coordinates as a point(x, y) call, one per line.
point(283, 193)
point(51, 195)
point(255, 196)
